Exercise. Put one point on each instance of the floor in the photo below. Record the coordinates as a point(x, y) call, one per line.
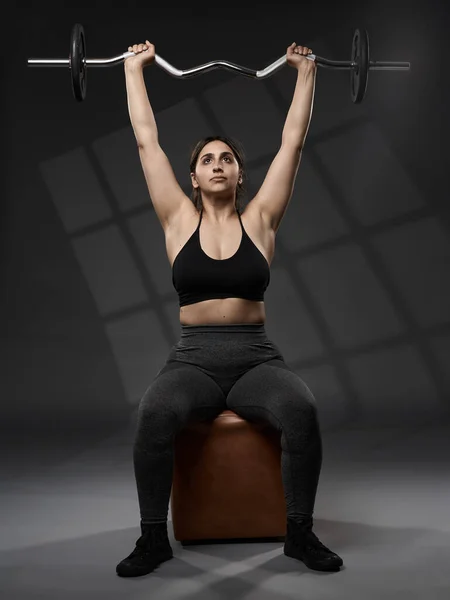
point(70, 514)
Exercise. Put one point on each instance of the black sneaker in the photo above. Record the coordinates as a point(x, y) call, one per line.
point(301, 543)
point(152, 548)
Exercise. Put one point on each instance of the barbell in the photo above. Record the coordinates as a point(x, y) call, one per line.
point(359, 65)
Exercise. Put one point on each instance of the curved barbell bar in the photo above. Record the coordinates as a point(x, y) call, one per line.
point(217, 64)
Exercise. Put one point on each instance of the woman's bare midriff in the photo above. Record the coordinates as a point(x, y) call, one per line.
point(220, 243)
point(223, 311)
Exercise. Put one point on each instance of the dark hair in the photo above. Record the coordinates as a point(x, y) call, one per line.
point(239, 155)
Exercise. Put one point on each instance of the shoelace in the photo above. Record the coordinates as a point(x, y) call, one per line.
point(314, 543)
point(303, 535)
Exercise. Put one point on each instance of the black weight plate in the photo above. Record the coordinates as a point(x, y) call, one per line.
point(77, 62)
point(360, 72)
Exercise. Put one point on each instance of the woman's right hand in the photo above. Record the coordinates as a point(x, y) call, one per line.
point(145, 55)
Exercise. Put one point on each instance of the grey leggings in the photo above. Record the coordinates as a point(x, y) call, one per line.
point(214, 368)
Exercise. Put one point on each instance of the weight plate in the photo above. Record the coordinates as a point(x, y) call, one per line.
point(360, 72)
point(77, 62)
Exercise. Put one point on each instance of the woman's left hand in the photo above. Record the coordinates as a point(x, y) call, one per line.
point(296, 57)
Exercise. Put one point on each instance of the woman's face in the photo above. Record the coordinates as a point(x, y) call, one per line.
point(216, 159)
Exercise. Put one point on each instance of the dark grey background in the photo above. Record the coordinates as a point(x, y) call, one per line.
point(360, 298)
point(359, 301)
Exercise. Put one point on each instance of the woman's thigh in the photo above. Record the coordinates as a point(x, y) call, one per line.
point(180, 393)
point(273, 393)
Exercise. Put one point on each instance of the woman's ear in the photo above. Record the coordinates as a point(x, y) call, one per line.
point(194, 180)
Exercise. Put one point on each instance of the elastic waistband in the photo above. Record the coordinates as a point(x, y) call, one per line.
point(225, 328)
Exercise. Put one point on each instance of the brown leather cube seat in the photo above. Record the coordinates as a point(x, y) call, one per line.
point(227, 481)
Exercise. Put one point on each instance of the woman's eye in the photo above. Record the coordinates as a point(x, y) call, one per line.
point(228, 158)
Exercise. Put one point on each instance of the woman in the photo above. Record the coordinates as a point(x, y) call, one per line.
point(221, 256)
